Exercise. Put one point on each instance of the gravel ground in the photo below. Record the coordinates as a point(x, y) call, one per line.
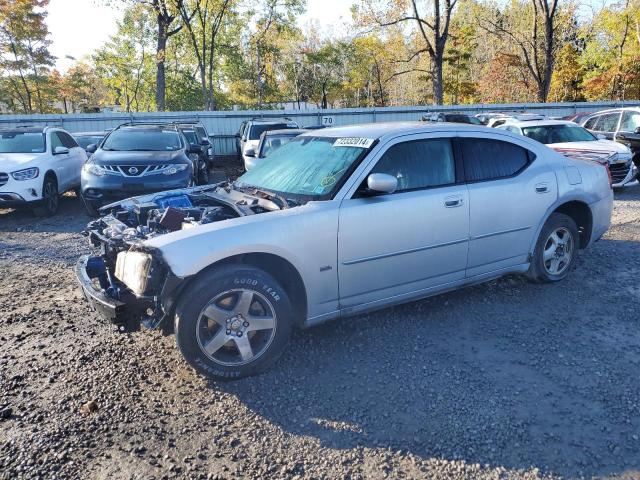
point(506, 380)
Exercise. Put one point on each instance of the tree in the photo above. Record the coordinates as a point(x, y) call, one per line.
point(205, 22)
point(536, 43)
point(125, 64)
point(25, 50)
point(166, 11)
point(431, 31)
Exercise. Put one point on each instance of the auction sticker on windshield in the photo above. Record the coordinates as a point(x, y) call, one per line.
point(353, 142)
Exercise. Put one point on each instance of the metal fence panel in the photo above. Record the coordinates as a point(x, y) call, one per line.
point(222, 125)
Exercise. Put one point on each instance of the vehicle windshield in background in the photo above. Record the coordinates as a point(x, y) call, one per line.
point(21, 142)
point(257, 129)
point(272, 143)
point(85, 140)
point(558, 134)
point(309, 166)
point(142, 140)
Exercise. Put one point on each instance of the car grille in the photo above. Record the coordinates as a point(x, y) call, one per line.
point(619, 171)
point(135, 170)
point(4, 178)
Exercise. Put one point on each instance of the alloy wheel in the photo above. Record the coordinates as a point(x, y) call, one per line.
point(558, 251)
point(236, 327)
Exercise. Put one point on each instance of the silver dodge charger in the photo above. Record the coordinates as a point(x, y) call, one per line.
point(338, 222)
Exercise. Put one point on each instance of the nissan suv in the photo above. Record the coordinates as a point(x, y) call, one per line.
point(37, 165)
point(135, 159)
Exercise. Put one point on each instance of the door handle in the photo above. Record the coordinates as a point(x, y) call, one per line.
point(542, 188)
point(451, 202)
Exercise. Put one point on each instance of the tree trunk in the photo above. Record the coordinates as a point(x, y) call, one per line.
point(436, 76)
point(161, 82)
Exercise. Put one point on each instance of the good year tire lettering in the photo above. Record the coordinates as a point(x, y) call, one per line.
point(245, 281)
point(270, 291)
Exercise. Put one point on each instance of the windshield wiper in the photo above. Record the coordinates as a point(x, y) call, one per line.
point(284, 203)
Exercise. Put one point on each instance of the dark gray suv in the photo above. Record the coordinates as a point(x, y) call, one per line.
point(135, 159)
point(621, 125)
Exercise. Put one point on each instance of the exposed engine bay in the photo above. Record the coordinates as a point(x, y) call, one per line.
point(132, 221)
point(127, 273)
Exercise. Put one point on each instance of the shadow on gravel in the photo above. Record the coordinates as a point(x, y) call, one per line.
point(71, 218)
point(508, 374)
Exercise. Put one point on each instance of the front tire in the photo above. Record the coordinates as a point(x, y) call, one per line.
point(92, 210)
point(204, 174)
point(233, 322)
point(50, 198)
point(556, 249)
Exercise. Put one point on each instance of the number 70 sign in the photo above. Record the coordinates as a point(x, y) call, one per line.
point(328, 121)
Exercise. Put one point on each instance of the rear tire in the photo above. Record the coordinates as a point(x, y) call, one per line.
point(233, 322)
point(50, 198)
point(556, 249)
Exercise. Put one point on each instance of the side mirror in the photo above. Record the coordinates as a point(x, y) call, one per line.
point(637, 131)
point(60, 151)
point(205, 141)
point(92, 148)
point(382, 183)
point(601, 136)
point(250, 152)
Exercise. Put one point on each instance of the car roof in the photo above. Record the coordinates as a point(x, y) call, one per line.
point(615, 110)
point(289, 132)
point(539, 123)
point(147, 126)
point(393, 129)
point(24, 128)
point(272, 120)
point(89, 134)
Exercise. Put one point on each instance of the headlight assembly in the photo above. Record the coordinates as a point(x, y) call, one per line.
point(173, 169)
point(94, 169)
point(138, 271)
point(26, 174)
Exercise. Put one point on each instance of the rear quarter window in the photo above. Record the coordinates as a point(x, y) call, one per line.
point(488, 159)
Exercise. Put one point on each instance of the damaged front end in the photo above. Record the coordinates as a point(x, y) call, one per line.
point(128, 282)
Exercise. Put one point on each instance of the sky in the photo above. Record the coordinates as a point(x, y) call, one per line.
point(78, 27)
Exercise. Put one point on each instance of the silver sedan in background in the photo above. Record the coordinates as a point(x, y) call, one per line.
point(337, 222)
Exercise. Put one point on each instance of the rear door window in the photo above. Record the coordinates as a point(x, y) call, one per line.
point(630, 121)
point(419, 164)
point(488, 159)
point(201, 134)
point(608, 122)
point(591, 123)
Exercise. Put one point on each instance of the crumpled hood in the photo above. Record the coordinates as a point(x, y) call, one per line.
point(10, 162)
point(602, 147)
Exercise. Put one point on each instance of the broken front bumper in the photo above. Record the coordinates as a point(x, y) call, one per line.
point(111, 301)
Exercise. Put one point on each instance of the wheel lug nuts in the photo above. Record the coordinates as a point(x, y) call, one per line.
point(228, 332)
point(246, 324)
point(228, 320)
point(239, 334)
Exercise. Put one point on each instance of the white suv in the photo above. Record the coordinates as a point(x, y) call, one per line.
point(37, 164)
